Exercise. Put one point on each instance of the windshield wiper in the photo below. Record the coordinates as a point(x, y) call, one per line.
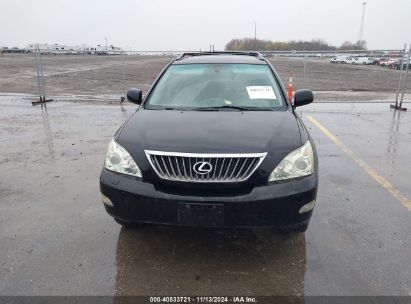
point(232, 107)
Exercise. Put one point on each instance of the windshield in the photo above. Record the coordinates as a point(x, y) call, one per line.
point(214, 86)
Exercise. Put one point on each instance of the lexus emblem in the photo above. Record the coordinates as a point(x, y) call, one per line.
point(202, 167)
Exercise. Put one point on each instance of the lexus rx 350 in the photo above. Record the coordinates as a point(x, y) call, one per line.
point(216, 143)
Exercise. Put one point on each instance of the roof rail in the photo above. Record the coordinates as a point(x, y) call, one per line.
point(256, 54)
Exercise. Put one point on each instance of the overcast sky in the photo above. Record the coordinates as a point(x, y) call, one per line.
point(195, 24)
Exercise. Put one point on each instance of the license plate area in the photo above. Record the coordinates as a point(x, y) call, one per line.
point(193, 214)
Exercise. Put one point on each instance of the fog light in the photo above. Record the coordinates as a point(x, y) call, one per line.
point(106, 200)
point(307, 207)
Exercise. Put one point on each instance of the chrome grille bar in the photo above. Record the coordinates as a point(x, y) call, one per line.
point(203, 167)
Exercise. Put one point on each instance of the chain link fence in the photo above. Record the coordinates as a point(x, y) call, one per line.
point(107, 78)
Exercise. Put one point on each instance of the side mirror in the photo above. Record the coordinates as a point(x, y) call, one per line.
point(303, 97)
point(135, 96)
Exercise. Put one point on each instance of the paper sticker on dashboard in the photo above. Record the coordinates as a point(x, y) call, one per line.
point(261, 92)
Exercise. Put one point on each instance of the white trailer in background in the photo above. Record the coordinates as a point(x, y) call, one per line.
point(59, 49)
point(108, 50)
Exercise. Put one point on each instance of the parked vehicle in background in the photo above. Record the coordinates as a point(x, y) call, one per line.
point(397, 66)
point(383, 61)
point(364, 60)
point(376, 61)
point(339, 59)
point(391, 62)
point(397, 61)
point(351, 60)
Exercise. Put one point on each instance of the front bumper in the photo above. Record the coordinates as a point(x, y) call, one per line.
point(276, 204)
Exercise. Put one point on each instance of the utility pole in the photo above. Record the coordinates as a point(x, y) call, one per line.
point(255, 30)
point(362, 21)
point(255, 37)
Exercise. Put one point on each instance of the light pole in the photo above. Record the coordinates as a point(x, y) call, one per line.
point(255, 30)
point(362, 21)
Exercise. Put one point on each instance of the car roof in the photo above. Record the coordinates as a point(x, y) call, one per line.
point(222, 58)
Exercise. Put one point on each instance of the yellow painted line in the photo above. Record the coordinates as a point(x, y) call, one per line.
point(371, 172)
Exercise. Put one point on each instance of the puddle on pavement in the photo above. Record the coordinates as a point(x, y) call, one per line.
point(162, 260)
point(393, 139)
point(47, 130)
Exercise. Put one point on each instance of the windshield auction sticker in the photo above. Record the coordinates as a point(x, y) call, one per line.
point(261, 92)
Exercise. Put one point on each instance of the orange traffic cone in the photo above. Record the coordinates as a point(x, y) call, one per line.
point(290, 88)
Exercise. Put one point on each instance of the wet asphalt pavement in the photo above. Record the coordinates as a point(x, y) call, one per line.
point(56, 238)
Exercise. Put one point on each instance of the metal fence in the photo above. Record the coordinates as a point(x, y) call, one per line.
point(93, 77)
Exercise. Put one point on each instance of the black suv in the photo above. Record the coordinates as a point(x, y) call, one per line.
point(215, 143)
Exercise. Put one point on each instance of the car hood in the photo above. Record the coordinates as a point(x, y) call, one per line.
point(274, 132)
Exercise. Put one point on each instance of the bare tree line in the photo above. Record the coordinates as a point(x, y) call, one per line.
point(313, 45)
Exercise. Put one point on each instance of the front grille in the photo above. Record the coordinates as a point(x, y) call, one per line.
point(204, 168)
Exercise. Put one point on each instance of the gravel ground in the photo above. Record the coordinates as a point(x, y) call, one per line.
point(86, 76)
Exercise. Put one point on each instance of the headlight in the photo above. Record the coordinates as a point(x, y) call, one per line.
point(119, 160)
point(298, 163)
